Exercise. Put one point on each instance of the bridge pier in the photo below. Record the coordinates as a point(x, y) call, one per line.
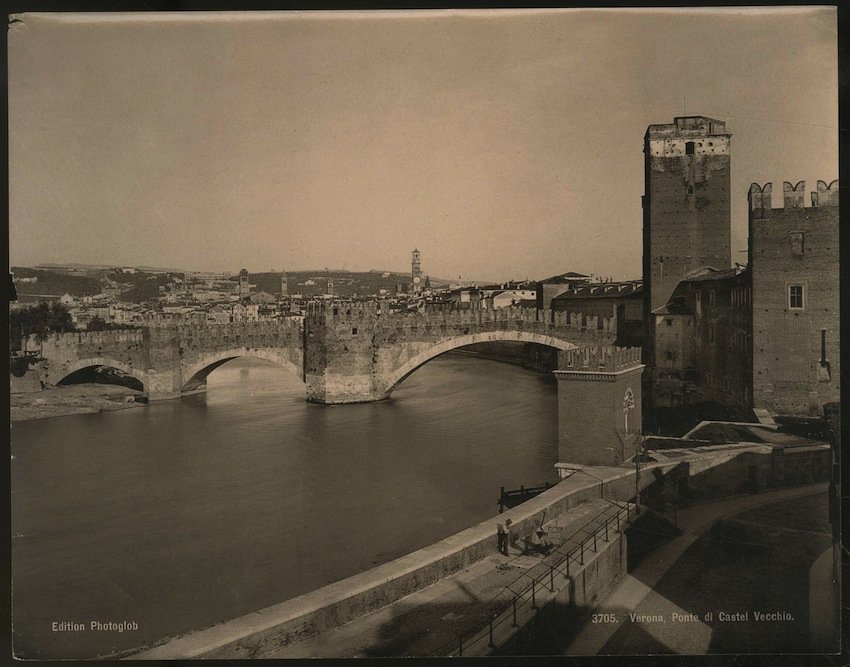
point(164, 385)
point(599, 405)
point(335, 388)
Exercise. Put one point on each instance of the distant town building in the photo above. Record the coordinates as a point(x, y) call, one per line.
point(622, 300)
point(244, 286)
point(548, 288)
point(416, 271)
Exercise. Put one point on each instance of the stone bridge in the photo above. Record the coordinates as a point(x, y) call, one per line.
point(359, 352)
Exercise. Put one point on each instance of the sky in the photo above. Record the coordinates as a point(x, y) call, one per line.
point(501, 144)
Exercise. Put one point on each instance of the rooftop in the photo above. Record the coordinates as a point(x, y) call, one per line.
point(688, 126)
point(708, 273)
point(602, 290)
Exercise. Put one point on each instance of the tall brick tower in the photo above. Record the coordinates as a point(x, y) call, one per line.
point(416, 271)
point(244, 286)
point(686, 213)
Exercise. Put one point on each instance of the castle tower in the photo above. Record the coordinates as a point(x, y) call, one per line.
point(416, 271)
point(284, 284)
point(686, 206)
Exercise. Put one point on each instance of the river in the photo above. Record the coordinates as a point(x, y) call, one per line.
point(185, 513)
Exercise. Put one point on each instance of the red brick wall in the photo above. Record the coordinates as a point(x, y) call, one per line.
point(787, 377)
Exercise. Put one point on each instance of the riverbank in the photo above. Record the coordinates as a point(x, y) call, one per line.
point(72, 400)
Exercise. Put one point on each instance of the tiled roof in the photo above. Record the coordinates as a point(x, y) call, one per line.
point(602, 290)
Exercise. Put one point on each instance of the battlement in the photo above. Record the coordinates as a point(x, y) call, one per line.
point(688, 126)
point(510, 315)
point(226, 328)
point(344, 310)
point(87, 338)
point(604, 358)
point(826, 194)
point(793, 196)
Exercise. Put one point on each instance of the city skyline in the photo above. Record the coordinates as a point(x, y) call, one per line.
point(501, 144)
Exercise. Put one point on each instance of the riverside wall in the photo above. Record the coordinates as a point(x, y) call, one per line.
point(269, 629)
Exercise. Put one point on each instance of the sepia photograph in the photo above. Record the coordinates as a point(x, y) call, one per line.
point(424, 333)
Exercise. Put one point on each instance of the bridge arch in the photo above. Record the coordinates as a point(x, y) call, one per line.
point(441, 347)
point(55, 377)
point(196, 373)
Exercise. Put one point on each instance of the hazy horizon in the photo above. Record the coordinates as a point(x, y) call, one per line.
point(502, 144)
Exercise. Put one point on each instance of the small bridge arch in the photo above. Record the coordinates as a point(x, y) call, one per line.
point(57, 376)
point(441, 347)
point(196, 373)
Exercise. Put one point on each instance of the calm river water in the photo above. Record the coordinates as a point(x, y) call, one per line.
point(181, 514)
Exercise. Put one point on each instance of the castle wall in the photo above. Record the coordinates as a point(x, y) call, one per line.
point(795, 246)
point(599, 405)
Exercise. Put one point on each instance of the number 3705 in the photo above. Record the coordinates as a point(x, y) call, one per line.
point(603, 618)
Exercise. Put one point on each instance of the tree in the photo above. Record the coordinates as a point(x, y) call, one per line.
point(97, 324)
point(41, 319)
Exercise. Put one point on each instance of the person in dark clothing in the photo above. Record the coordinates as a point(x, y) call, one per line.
point(502, 535)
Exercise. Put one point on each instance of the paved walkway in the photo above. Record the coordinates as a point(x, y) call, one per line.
point(634, 592)
point(430, 620)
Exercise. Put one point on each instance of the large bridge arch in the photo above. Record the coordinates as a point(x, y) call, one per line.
point(54, 377)
point(196, 373)
point(434, 350)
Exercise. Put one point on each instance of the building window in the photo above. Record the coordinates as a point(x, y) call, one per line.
point(796, 297)
point(669, 322)
point(797, 240)
point(689, 148)
point(711, 334)
point(711, 297)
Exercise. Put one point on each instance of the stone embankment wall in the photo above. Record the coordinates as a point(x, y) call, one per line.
point(267, 630)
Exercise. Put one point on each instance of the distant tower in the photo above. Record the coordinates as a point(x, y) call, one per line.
point(427, 282)
point(284, 284)
point(686, 211)
point(244, 287)
point(416, 271)
point(330, 286)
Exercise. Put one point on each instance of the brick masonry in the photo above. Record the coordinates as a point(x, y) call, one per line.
point(795, 245)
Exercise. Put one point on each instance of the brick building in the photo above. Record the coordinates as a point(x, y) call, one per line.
point(623, 300)
point(793, 257)
point(762, 337)
point(703, 342)
point(548, 288)
point(686, 213)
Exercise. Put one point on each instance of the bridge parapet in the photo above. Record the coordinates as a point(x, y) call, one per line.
point(602, 358)
point(378, 316)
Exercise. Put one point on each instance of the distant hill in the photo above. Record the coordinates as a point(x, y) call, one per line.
point(106, 267)
point(52, 284)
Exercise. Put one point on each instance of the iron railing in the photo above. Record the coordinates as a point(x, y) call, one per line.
point(561, 562)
